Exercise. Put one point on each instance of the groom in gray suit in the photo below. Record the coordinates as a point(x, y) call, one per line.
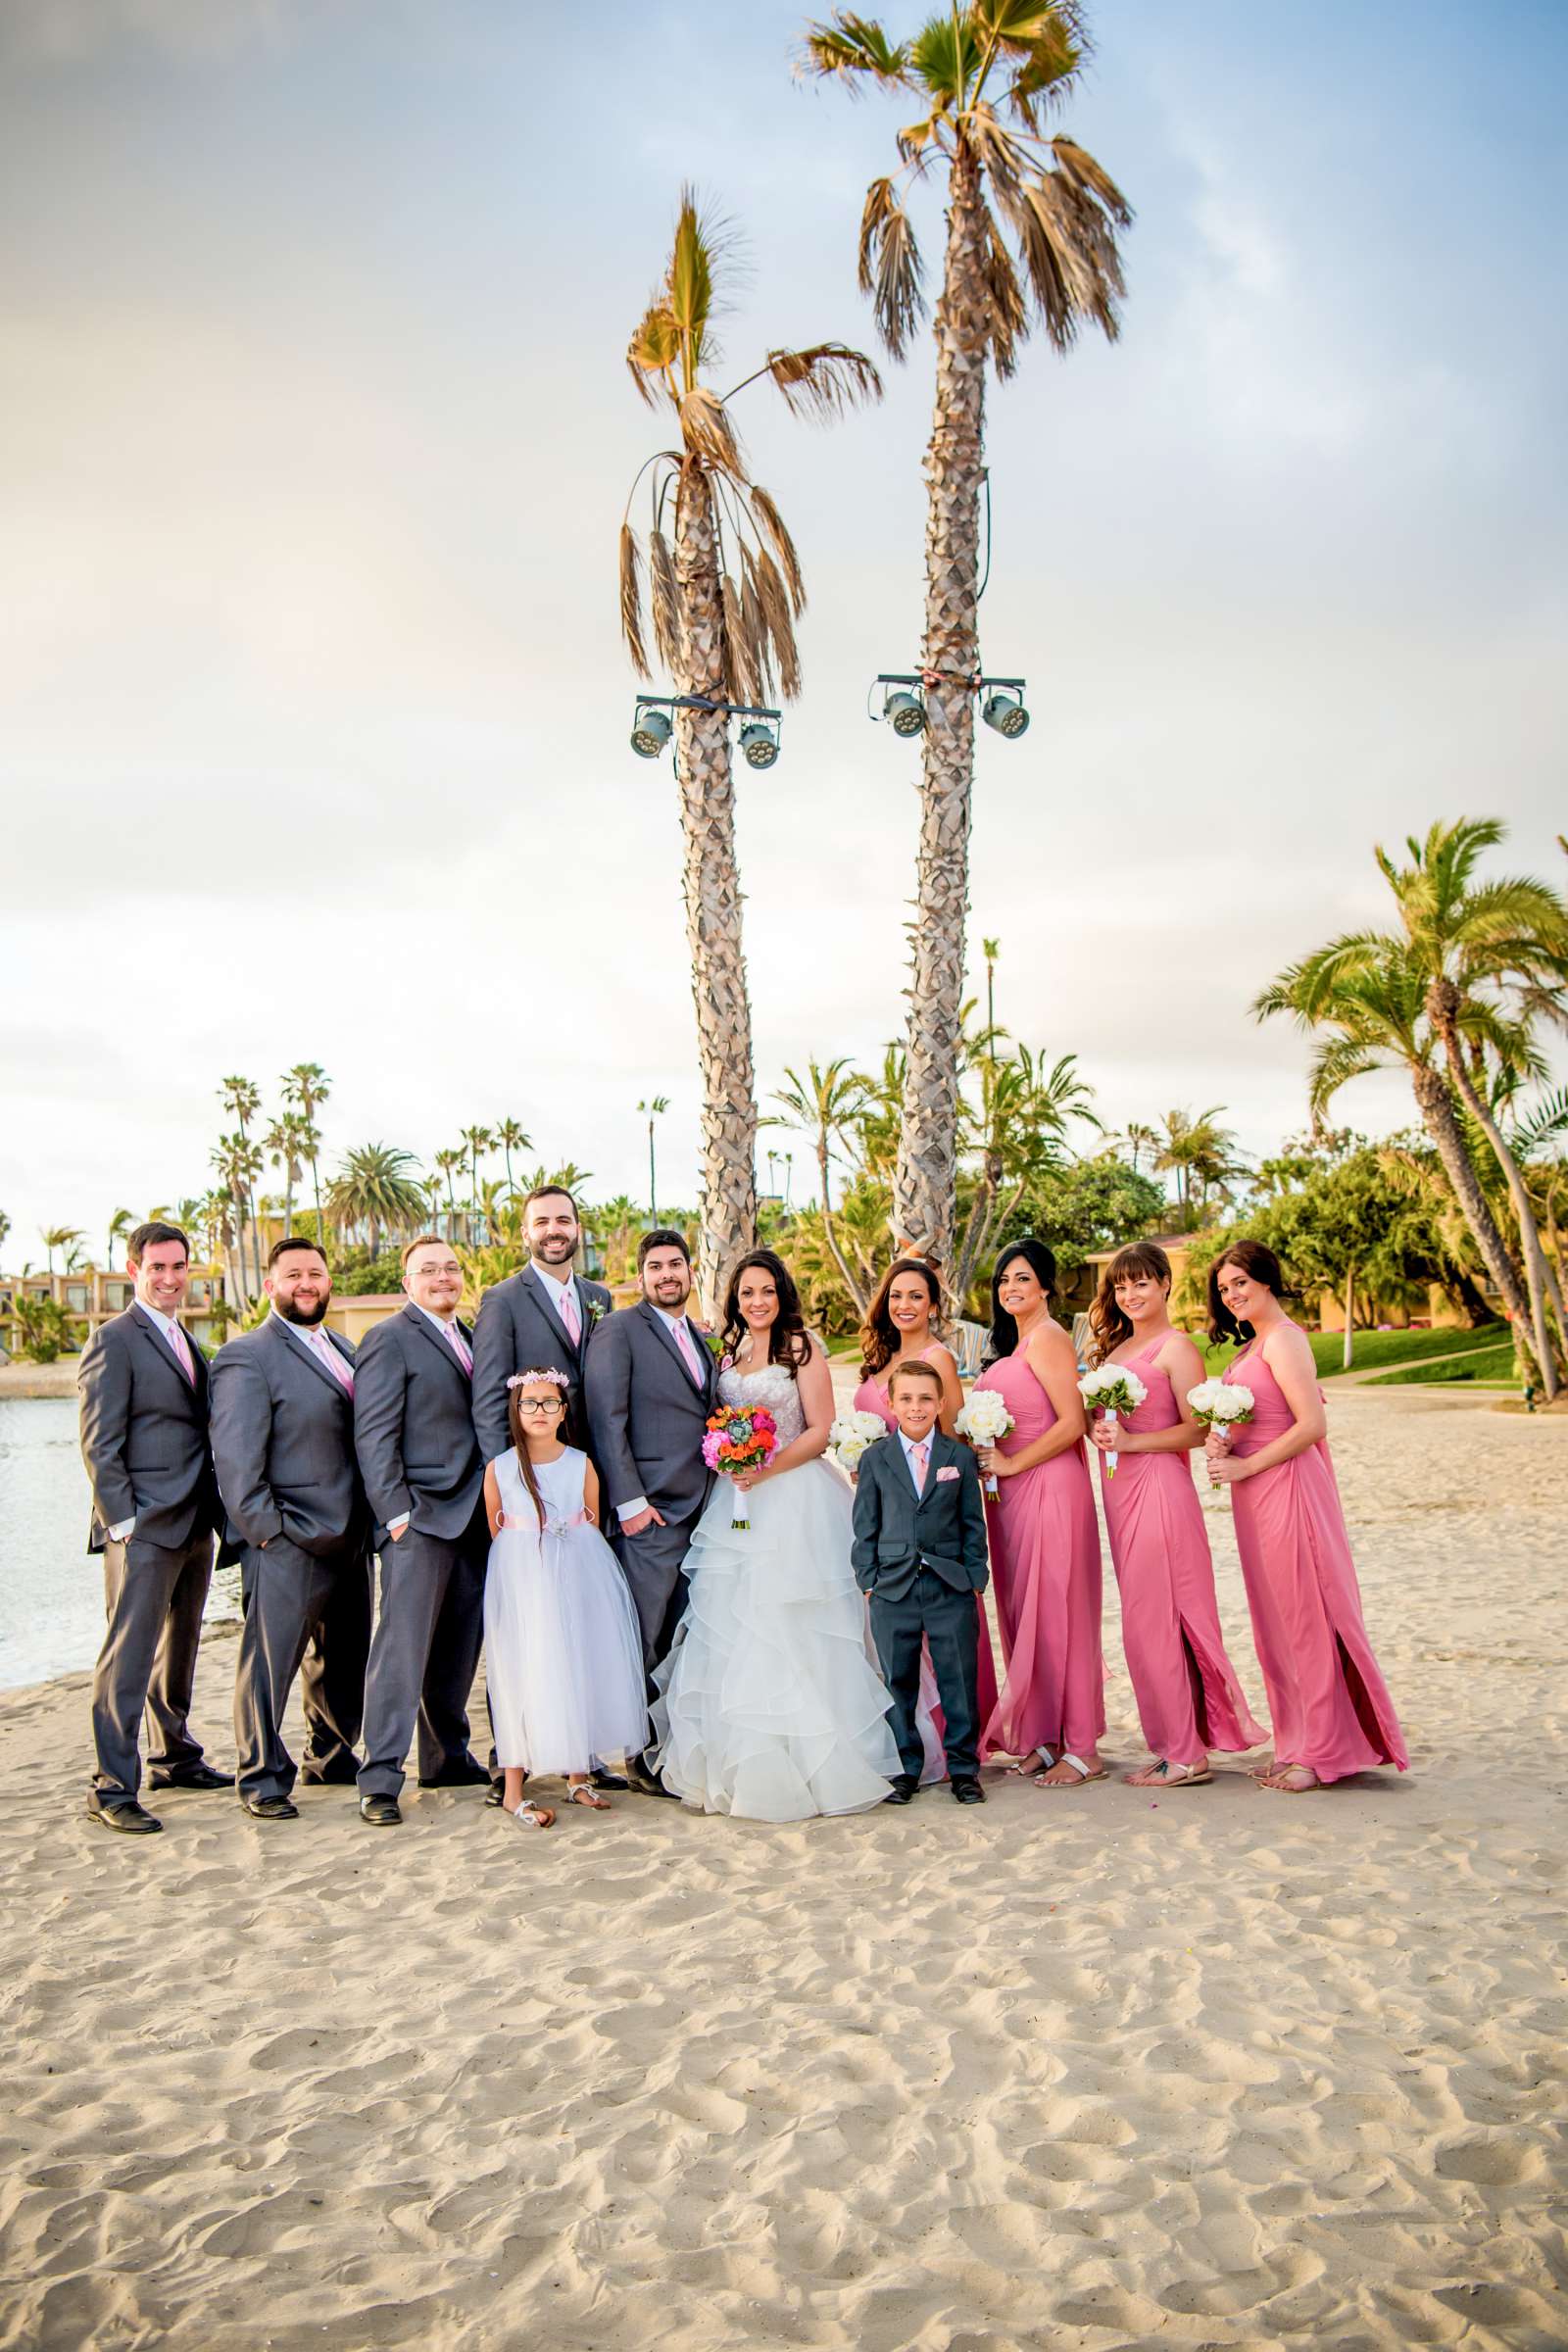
point(542, 1315)
point(651, 1384)
point(283, 1448)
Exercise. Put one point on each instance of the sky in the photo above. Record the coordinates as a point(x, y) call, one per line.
point(316, 435)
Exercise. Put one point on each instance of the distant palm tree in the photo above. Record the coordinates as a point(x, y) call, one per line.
point(241, 1098)
point(1025, 1112)
point(5, 1228)
point(1139, 1137)
point(1202, 1155)
point(121, 1223)
point(239, 1162)
point(822, 1105)
point(286, 1143)
point(447, 1162)
point(966, 67)
point(725, 591)
point(376, 1186)
point(476, 1139)
point(655, 1106)
point(61, 1237)
point(510, 1137)
point(306, 1088)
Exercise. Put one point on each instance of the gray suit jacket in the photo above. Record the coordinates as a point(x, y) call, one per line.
point(897, 1533)
point(144, 1436)
point(646, 1414)
point(515, 1331)
point(283, 1444)
point(413, 1427)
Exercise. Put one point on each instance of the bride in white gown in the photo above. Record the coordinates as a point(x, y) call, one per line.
point(770, 1706)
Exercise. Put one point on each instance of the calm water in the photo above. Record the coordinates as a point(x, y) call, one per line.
point(51, 1593)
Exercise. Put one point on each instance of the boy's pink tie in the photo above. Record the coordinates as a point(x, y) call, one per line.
point(920, 1455)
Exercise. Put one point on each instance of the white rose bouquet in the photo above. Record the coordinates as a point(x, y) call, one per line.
point(1114, 1389)
point(985, 1421)
point(1220, 1405)
point(851, 1434)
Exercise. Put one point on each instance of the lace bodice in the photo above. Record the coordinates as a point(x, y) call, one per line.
point(772, 1387)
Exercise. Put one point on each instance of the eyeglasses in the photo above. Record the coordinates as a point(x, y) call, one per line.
point(539, 1404)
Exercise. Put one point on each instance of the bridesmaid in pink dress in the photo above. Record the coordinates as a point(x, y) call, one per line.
point(1045, 1540)
point(1189, 1697)
point(898, 1330)
point(1332, 1712)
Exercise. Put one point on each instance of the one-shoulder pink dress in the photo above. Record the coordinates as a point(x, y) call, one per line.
point(1331, 1708)
point(1045, 1565)
point(872, 1397)
point(1189, 1697)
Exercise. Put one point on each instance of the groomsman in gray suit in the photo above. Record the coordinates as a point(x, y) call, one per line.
point(542, 1315)
point(425, 1481)
point(651, 1383)
point(155, 1506)
point(283, 1447)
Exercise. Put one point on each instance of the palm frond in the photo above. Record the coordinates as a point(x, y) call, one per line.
point(772, 522)
point(1052, 65)
point(1007, 315)
point(754, 620)
point(691, 276)
point(824, 380)
point(708, 433)
point(779, 622)
point(890, 266)
point(654, 347)
point(631, 600)
point(1543, 1125)
point(848, 47)
point(945, 55)
point(1082, 170)
point(661, 597)
point(737, 669)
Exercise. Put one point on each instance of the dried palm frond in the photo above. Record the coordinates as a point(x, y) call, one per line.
point(708, 433)
point(632, 600)
point(1000, 151)
point(1082, 169)
point(756, 622)
point(913, 140)
point(890, 266)
point(1007, 315)
point(779, 624)
point(737, 669)
point(772, 522)
point(654, 347)
point(825, 379)
point(661, 597)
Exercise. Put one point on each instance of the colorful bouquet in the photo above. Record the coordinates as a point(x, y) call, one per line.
point(851, 1434)
point(985, 1421)
point(1220, 1405)
point(1114, 1389)
point(740, 1438)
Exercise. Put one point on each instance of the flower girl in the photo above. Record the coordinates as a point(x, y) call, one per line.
point(563, 1660)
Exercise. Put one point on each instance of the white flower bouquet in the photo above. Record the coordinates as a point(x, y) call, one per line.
point(1220, 1405)
point(1114, 1389)
point(985, 1421)
point(851, 1434)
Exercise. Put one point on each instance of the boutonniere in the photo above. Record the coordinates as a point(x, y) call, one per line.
point(598, 1309)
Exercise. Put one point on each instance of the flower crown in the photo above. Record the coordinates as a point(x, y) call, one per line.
point(520, 1380)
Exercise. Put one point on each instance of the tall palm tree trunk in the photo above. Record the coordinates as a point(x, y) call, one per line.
point(1438, 1117)
point(924, 1180)
point(727, 1198)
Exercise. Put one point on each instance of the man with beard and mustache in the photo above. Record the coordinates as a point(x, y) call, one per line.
point(542, 1315)
point(282, 1431)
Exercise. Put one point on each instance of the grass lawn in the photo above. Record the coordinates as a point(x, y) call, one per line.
point(1374, 1347)
point(1492, 1366)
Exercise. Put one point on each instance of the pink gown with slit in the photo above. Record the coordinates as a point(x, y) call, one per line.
point(1046, 1572)
point(1189, 1697)
point(1331, 1708)
point(872, 1398)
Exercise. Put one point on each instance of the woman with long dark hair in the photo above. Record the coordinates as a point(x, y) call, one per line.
point(770, 1705)
point(900, 1328)
point(1331, 1707)
point(1189, 1697)
point(1045, 1540)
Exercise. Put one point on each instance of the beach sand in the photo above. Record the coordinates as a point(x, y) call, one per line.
point(1094, 2069)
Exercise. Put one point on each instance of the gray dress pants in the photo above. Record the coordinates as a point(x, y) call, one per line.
point(423, 1657)
point(292, 1595)
point(654, 1566)
point(154, 1595)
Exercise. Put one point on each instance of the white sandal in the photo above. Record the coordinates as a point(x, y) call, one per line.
point(1026, 1767)
point(584, 1792)
point(530, 1816)
point(1173, 1776)
point(1085, 1772)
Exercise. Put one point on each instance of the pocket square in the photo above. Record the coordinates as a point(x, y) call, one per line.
point(948, 1473)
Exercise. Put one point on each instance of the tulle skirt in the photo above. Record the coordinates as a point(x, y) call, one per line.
point(564, 1657)
point(770, 1706)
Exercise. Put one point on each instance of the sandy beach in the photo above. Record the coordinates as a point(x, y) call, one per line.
point(1083, 2070)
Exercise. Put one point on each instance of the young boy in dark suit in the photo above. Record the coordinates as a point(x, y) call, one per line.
point(920, 1553)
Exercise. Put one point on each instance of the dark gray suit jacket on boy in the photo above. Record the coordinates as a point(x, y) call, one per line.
point(518, 1329)
point(647, 1420)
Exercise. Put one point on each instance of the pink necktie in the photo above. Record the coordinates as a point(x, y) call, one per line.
point(459, 1348)
point(920, 1455)
point(331, 1358)
point(569, 1313)
point(683, 1341)
point(182, 1355)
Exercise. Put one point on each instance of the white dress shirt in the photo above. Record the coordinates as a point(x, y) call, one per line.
point(166, 1326)
point(673, 1323)
point(563, 1288)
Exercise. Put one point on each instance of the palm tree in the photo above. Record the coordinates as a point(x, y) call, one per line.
point(968, 66)
point(1372, 1003)
point(1024, 1113)
point(1480, 946)
point(241, 1098)
point(725, 591)
point(449, 1162)
point(376, 1186)
point(823, 1103)
point(121, 1223)
point(1139, 1138)
point(286, 1143)
point(239, 1162)
point(5, 1227)
point(655, 1106)
point(60, 1236)
point(475, 1140)
point(306, 1086)
point(510, 1137)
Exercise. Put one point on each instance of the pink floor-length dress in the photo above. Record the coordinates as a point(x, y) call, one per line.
point(872, 1397)
point(1046, 1572)
point(1189, 1697)
point(1331, 1708)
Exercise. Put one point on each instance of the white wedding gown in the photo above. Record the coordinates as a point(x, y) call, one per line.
point(770, 1706)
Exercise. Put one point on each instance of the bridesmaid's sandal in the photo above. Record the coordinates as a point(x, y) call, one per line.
point(1027, 1766)
point(1167, 1775)
point(1081, 1773)
point(530, 1816)
point(584, 1792)
point(1285, 1782)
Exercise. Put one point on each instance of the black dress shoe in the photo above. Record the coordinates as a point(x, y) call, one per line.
point(457, 1776)
point(272, 1808)
point(967, 1792)
point(602, 1779)
point(646, 1783)
point(124, 1814)
point(191, 1776)
point(902, 1792)
point(381, 1812)
point(341, 1773)
point(495, 1793)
